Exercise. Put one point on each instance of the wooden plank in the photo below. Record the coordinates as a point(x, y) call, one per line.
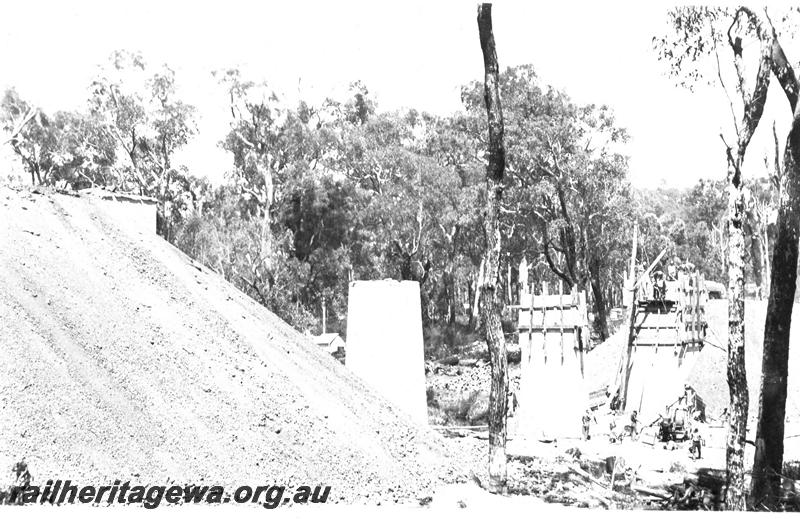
point(553, 301)
point(579, 339)
point(530, 327)
point(653, 320)
point(554, 306)
point(690, 309)
point(650, 492)
point(561, 320)
point(549, 301)
point(703, 293)
point(544, 316)
point(656, 336)
point(584, 315)
point(631, 320)
point(658, 333)
point(681, 316)
point(552, 328)
point(696, 322)
point(676, 323)
point(651, 267)
point(469, 427)
point(572, 318)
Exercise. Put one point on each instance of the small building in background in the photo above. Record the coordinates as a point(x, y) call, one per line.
point(716, 290)
point(329, 342)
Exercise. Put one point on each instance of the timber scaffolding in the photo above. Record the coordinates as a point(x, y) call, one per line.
point(553, 331)
point(665, 336)
point(678, 318)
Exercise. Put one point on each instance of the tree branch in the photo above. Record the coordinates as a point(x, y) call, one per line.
point(783, 70)
point(727, 94)
point(753, 103)
point(552, 265)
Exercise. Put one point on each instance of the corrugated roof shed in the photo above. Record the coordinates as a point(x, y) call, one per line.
point(325, 339)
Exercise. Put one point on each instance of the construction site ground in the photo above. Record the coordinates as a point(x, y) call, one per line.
point(124, 359)
point(648, 465)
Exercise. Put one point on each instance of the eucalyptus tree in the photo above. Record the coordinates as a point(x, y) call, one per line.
point(697, 36)
point(490, 291)
point(567, 199)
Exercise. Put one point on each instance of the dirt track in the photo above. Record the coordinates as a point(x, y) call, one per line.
point(122, 359)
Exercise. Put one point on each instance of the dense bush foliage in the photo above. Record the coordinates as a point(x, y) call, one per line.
point(317, 196)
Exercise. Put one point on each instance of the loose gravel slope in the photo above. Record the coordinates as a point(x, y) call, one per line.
point(124, 359)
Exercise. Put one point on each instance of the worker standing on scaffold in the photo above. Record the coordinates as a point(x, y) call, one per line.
point(672, 269)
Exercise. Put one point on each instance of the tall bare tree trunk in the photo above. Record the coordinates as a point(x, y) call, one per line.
point(755, 259)
point(451, 290)
point(765, 264)
point(475, 318)
point(768, 462)
point(735, 495)
point(753, 108)
point(491, 292)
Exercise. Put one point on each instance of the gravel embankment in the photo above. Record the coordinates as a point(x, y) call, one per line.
point(123, 359)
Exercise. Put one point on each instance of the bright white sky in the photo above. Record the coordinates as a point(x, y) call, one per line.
point(412, 54)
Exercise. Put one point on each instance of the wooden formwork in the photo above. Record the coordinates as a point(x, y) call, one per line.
point(666, 336)
point(552, 331)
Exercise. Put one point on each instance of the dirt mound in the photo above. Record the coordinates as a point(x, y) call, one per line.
point(603, 361)
point(709, 376)
point(123, 359)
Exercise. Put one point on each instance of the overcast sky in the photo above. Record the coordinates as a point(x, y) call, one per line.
point(409, 54)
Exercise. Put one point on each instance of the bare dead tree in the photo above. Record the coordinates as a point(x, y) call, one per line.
point(490, 292)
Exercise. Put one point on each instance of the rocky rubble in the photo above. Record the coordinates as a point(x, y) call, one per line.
point(452, 384)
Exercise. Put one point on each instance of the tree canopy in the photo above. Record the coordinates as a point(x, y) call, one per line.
point(318, 195)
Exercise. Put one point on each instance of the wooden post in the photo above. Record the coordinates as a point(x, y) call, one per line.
point(623, 392)
point(578, 328)
point(695, 300)
point(324, 315)
point(697, 307)
point(522, 278)
point(508, 284)
point(678, 325)
point(561, 318)
point(658, 334)
point(530, 324)
point(703, 302)
point(545, 293)
point(651, 267)
point(584, 315)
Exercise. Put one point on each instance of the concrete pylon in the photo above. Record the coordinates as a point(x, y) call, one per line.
point(552, 394)
point(384, 342)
